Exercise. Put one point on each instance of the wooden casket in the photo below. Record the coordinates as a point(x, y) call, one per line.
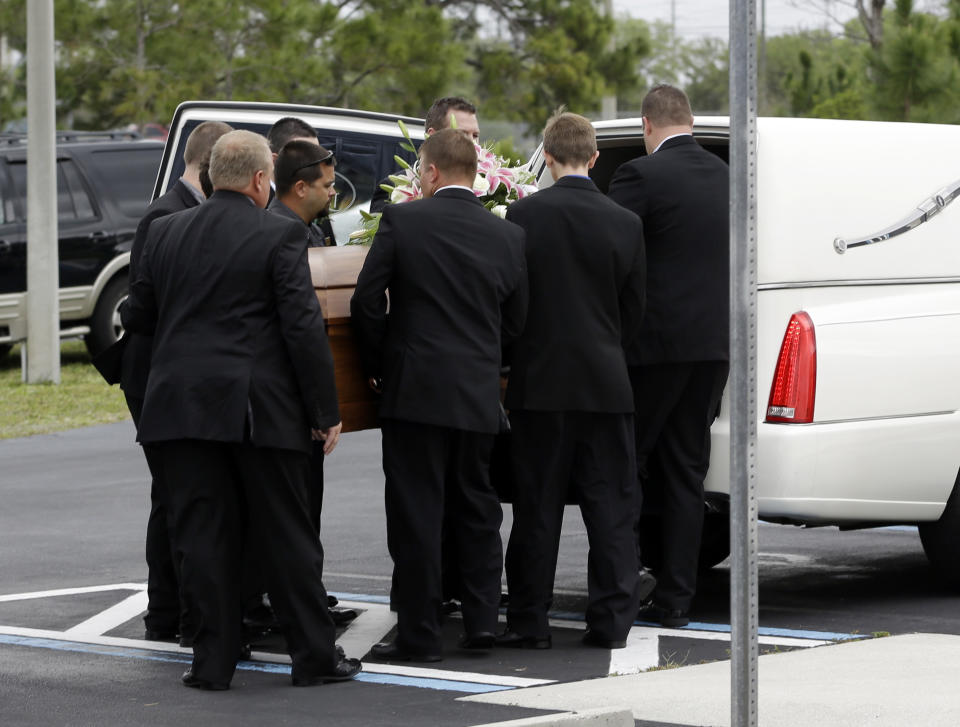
point(334, 271)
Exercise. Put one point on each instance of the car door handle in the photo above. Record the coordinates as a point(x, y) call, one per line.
point(98, 235)
point(4, 247)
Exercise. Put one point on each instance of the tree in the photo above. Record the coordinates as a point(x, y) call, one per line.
point(805, 70)
point(122, 61)
point(557, 52)
point(700, 66)
point(915, 77)
point(869, 15)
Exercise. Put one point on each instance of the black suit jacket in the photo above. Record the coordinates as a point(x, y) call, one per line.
point(315, 235)
point(135, 366)
point(240, 348)
point(681, 193)
point(585, 264)
point(458, 289)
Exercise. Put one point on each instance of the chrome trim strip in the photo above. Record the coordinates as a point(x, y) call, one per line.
point(925, 211)
point(858, 419)
point(856, 283)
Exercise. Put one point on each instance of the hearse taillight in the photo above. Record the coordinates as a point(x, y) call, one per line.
point(794, 384)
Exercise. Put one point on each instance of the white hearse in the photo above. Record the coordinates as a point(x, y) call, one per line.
point(858, 330)
point(858, 339)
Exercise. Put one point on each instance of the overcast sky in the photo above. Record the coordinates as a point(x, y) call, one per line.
point(710, 17)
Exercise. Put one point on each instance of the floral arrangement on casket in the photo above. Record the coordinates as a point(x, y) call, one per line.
point(497, 185)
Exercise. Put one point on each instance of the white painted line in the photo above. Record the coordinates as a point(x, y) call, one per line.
point(411, 671)
point(725, 636)
point(362, 576)
point(370, 627)
point(111, 618)
point(642, 652)
point(98, 640)
point(458, 676)
point(73, 591)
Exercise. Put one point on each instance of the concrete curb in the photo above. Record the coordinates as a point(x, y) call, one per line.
point(602, 717)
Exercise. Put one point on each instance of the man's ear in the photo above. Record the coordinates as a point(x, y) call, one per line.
point(300, 187)
point(549, 159)
point(593, 159)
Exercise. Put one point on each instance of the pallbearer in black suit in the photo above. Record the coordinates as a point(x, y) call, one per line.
point(305, 185)
point(166, 617)
point(569, 395)
point(457, 291)
point(679, 364)
point(241, 379)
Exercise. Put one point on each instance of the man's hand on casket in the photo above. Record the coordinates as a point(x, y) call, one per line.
point(329, 436)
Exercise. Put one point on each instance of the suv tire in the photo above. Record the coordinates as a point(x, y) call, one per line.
point(941, 540)
point(105, 326)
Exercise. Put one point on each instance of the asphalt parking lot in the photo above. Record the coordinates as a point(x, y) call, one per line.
point(72, 593)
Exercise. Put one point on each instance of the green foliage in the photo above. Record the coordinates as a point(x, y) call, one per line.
point(814, 74)
point(915, 71)
point(123, 61)
point(559, 52)
point(700, 66)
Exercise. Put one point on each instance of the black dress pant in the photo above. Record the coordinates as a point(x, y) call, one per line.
point(217, 491)
point(592, 453)
point(164, 609)
point(422, 463)
point(675, 405)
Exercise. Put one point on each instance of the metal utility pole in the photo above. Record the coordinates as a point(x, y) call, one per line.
point(608, 108)
point(43, 316)
point(743, 373)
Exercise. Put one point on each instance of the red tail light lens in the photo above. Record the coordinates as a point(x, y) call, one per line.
point(794, 384)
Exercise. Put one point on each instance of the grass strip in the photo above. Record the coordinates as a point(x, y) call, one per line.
point(82, 398)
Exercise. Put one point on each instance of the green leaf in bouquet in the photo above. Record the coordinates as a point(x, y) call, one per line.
point(406, 146)
point(399, 179)
point(401, 161)
point(388, 188)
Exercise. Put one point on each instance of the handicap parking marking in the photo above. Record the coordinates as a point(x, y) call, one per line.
point(371, 625)
point(374, 623)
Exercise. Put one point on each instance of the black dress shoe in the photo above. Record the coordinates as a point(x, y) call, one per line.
point(342, 616)
point(331, 601)
point(672, 618)
point(160, 635)
point(389, 651)
point(590, 638)
point(245, 651)
point(477, 640)
point(189, 680)
point(513, 640)
point(646, 583)
point(449, 606)
point(345, 670)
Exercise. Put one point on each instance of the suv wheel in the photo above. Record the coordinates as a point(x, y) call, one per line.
point(941, 540)
point(105, 325)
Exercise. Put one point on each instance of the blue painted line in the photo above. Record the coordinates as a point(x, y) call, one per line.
point(362, 597)
point(764, 631)
point(449, 685)
point(901, 528)
point(692, 626)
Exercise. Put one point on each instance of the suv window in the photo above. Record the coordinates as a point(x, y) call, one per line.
point(123, 170)
point(73, 200)
point(8, 210)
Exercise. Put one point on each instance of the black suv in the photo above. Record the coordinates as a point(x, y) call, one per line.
point(104, 180)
